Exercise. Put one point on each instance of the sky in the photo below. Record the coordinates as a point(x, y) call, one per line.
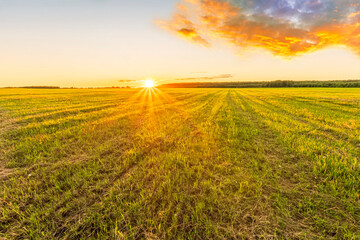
point(104, 43)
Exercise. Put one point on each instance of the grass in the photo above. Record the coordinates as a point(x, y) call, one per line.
point(180, 164)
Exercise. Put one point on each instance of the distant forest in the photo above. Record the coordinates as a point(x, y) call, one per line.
point(272, 84)
point(42, 87)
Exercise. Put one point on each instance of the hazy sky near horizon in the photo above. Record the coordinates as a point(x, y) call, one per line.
point(92, 43)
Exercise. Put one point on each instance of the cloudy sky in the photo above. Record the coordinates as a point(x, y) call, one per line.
point(121, 42)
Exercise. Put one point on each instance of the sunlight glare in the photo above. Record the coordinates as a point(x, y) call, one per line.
point(149, 83)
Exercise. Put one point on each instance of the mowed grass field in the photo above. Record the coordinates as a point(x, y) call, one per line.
point(180, 164)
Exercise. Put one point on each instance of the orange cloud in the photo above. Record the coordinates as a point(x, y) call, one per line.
point(183, 27)
point(355, 14)
point(222, 76)
point(283, 30)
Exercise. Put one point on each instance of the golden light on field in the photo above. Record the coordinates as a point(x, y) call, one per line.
point(149, 83)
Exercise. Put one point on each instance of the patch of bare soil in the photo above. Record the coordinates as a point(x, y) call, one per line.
point(5, 172)
point(6, 125)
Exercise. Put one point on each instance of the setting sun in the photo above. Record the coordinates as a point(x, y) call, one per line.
point(149, 83)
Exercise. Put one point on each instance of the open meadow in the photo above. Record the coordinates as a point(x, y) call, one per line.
point(180, 163)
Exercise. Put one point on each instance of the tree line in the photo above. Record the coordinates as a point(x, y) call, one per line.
point(267, 84)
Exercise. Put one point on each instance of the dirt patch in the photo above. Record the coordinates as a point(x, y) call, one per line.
point(5, 172)
point(6, 124)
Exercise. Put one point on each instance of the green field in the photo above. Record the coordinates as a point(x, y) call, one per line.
point(180, 164)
